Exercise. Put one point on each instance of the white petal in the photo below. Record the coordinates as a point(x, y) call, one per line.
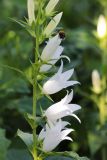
point(64, 124)
point(76, 117)
point(70, 83)
point(53, 60)
point(68, 138)
point(50, 6)
point(42, 134)
point(74, 107)
point(66, 57)
point(45, 67)
point(53, 24)
point(66, 75)
point(51, 87)
point(51, 48)
point(31, 11)
point(50, 143)
point(69, 97)
point(57, 54)
point(65, 133)
point(56, 111)
point(63, 101)
point(60, 69)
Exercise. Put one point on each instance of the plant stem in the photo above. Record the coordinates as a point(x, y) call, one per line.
point(34, 115)
point(104, 153)
point(35, 73)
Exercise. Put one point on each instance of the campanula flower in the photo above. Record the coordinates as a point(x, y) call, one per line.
point(51, 53)
point(52, 135)
point(62, 109)
point(59, 81)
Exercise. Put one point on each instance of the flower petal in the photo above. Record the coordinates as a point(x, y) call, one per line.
point(51, 48)
point(66, 75)
point(42, 134)
point(68, 138)
point(74, 107)
point(65, 133)
point(70, 83)
point(76, 117)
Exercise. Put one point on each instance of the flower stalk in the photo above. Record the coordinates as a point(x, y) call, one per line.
point(35, 74)
point(41, 27)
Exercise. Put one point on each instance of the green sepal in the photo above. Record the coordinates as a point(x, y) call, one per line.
point(30, 29)
point(27, 138)
point(30, 119)
point(33, 122)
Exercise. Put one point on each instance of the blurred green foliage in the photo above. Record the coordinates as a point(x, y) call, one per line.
point(81, 45)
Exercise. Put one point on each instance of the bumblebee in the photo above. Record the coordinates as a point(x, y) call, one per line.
point(62, 34)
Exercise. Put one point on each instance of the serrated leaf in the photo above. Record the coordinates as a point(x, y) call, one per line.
point(27, 138)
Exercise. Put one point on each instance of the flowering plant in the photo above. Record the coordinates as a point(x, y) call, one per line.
point(42, 26)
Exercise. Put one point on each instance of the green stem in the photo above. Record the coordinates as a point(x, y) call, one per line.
point(35, 73)
point(104, 153)
point(34, 115)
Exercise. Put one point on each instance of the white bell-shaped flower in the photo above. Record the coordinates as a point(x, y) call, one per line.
point(31, 11)
point(96, 81)
point(50, 6)
point(52, 24)
point(51, 53)
point(59, 81)
point(52, 135)
point(62, 109)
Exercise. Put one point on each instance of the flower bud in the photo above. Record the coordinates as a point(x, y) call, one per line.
point(96, 82)
point(52, 24)
point(31, 11)
point(50, 6)
point(101, 27)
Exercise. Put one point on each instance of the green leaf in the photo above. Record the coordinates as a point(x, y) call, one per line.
point(4, 144)
point(27, 138)
point(18, 154)
point(95, 142)
point(65, 155)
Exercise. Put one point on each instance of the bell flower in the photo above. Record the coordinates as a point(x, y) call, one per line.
point(31, 11)
point(96, 81)
point(50, 6)
point(52, 135)
point(62, 109)
point(52, 24)
point(51, 53)
point(102, 27)
point(59, 81)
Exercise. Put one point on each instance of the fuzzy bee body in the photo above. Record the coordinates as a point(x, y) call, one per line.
point(62, 34)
